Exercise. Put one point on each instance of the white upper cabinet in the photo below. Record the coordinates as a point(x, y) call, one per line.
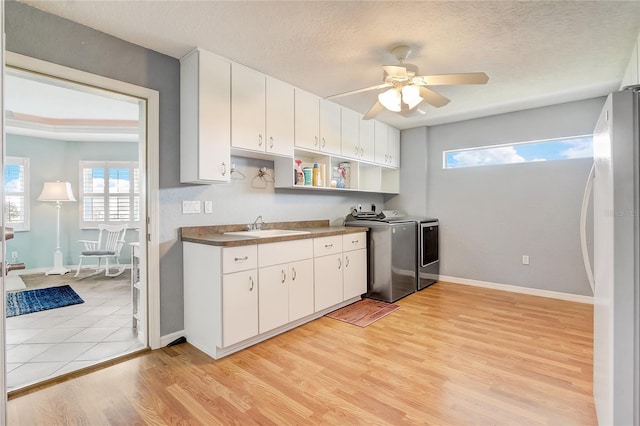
point(262, 112)
point(307, 120)
point(330, 127)
point(280, 117)
point(393, 147)
point(381, 137)
point(205, 118)
point(351, 134)
point(387, 145)
point(367, 140)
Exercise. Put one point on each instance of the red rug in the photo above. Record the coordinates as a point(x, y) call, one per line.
point(363, 312)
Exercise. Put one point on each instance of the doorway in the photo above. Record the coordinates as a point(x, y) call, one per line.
point(110, 162)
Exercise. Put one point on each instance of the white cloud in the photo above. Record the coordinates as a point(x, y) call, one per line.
point(578, 148)
point(489, 156)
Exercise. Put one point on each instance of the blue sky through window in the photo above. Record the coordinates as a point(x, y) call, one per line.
point(545, 150)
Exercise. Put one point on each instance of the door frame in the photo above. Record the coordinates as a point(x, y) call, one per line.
point(152, 98)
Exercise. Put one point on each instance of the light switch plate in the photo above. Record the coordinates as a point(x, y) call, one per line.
point(208, 207)
point(190, 207)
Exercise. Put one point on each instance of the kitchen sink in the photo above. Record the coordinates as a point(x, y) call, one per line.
point(266, 233)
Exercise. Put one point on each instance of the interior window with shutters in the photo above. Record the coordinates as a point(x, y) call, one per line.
point(16, 193)
point(109, 193)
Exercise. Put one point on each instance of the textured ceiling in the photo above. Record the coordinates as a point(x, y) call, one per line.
point(535, 53)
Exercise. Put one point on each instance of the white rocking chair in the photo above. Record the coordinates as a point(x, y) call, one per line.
point(107, 248)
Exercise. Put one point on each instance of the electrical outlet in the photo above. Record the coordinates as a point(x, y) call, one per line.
point(14, 255)
point(525, 259)
point(208, 207)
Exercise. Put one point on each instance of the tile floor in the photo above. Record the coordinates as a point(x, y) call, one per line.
point(49, 343)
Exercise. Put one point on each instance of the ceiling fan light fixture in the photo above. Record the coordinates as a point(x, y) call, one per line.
point(411, 96)
point(391, 99)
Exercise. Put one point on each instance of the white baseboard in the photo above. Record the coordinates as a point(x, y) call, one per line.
point(168, 338)
point(517, 289)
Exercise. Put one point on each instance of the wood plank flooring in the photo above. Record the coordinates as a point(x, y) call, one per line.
point(451, 355)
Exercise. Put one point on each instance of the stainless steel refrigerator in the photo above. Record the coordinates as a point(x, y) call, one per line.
point(616, 260)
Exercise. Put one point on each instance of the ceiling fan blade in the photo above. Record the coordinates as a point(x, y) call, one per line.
point(373, 111)
point(433, 98)
point(396, 71)
point(450, 79)
point(353, 92)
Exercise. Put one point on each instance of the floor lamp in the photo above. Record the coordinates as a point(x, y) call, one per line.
point(59, 192)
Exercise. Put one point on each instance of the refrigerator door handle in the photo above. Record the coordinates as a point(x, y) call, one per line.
point(583, 227)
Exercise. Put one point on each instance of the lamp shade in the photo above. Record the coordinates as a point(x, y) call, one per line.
point(390, 99)
point(56, 191)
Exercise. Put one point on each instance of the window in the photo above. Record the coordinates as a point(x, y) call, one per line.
point(109, 192)
point(16, 193)
point(523, 152)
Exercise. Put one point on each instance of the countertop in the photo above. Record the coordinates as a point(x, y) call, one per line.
point(214, 235)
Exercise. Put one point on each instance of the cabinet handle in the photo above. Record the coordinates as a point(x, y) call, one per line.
point(354, 241)
point(315, 143)
point(386, 158)
point(389, 159)
point(238, 259)
point(323, 142)
point(357, 151)
point(346, 261)
point(224, 168)
point(361, 152)
point(339, 263)
point(251, 280)
point(294, 274)
point(284, 277)
point(259, 140)
point(328, 245)
point(270, 141)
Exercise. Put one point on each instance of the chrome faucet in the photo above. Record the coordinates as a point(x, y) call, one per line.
point(256, 225)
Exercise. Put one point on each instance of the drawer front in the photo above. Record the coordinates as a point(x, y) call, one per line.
point(354, 241)
point(284, 252)
point(241, 258)
point(327, 245)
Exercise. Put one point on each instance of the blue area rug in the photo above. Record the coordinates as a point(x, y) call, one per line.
point(41, 299)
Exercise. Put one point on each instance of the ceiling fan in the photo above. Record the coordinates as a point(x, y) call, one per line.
point(406, 90)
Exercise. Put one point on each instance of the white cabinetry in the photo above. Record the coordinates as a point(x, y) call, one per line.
point(239, 307)
point(351, 134)
point(367, 140)
point(327, 271)
point(262, 112)
point(330, 127)
point(286, 282)
point(307, 120)
point(205, 118)
point(387, 145)
point(354, 260)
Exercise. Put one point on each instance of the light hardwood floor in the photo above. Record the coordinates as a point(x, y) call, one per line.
point(451, 355)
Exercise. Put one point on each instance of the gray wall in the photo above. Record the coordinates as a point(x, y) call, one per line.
point(51, 160)
point(38, 34)
point(492, 215)
point(413, 174)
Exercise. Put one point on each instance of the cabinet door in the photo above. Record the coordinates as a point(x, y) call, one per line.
point(327, 278)
point(306, 119)
point(381, 137)
point(280, 113)
point(330, 127)
point(239, 306)
point(300, 289)
point(247, 108)
point(350, 133)
point(393, 147)
point(367, 140)
point(274, 297)
point(355, 273)
point(205, 117)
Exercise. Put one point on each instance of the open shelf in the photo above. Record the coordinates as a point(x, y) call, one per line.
point(360, 176)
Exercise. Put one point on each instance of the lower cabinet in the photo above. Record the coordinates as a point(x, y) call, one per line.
point(286, 294)
point(239, 307)
point(237, 296)
point(327, 280)
point(355, 273)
